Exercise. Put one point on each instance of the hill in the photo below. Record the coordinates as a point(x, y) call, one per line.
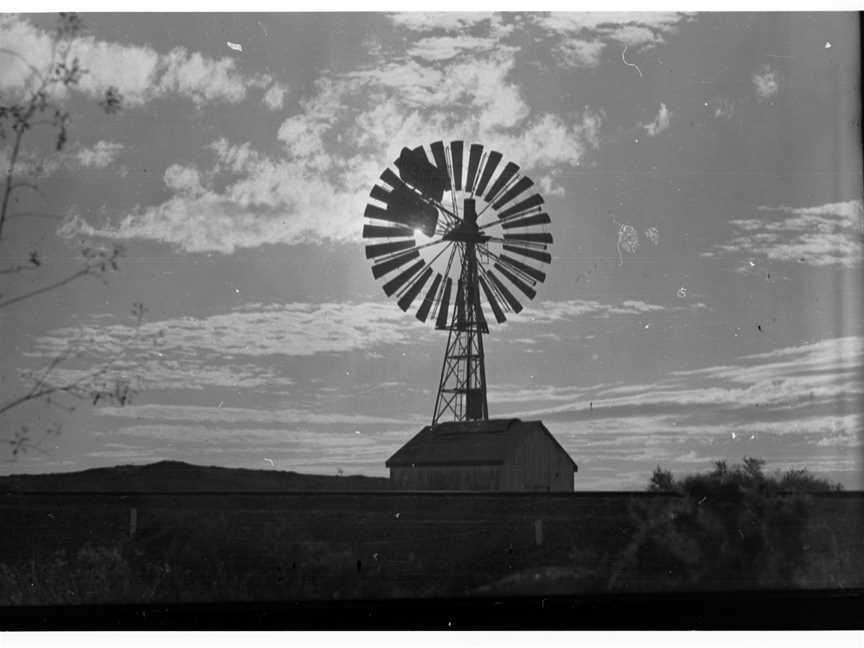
point(177, 476)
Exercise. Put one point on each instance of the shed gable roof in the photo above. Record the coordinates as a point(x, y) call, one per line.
point(470, 443)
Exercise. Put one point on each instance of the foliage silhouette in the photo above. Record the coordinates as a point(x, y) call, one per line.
point(731, 528)
point(39, 105)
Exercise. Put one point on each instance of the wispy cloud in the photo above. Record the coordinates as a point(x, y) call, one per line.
point(793, 389)
point(101, 155)
point(797, 406)
point(546, 312)
point(231, 415)
point(660, 123)
point(296, 329)
point(139, 72)
point(823, 235)
point(766, 82)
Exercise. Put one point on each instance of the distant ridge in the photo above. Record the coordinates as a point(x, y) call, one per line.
point(178, 476)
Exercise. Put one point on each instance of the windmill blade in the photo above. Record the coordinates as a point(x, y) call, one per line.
point(491, 164)
point(379, 231)
point(380, 269)
point(456, 161)
point(505, 177)
point(545, 257)
point(409, 208)
point(441, 161)
point(508, 296)
point(527, 290)
point(400, 218)
point(496, 308)
point(380, 249)
point(524, 183)
point(441, 320)
point(380, 193)
point(399, 280)
point(539, 237)
point(534, 273)
point(529, 203)
point(474, 156)
point(414, 289)
point(391, 178)
point(429, 299)
point(535, 219)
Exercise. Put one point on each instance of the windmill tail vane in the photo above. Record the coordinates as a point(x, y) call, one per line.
point(465, 222)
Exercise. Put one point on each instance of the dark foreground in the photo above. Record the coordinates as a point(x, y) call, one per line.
point(386, 559)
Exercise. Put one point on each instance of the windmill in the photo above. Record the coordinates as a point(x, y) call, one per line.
point(457, 232)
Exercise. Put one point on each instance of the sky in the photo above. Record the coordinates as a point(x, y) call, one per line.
point(702, 173)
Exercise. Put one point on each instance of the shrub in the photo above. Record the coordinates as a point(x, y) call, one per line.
point(733, 527)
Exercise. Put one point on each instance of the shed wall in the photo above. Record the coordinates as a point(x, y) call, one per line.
point(478, 478)
point(547, 467)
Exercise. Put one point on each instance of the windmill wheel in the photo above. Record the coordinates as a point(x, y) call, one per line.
point(440, 207)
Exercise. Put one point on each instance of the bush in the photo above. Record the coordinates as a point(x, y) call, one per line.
point(730, 528)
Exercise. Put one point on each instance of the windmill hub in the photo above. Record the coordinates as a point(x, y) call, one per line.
point(466, 254)
point(467, 231)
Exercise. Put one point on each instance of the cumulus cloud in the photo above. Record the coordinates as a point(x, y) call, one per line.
point(274, 98)
point(441, 48)
point(448, 21)
point(140, 73)
point(822, 235)
point(585, 32)
point(183, 179)
point(346, 132)
point(660, 123)
point(766, 82)
point(580, 53)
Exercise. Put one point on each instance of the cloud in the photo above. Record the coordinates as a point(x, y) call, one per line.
point(724, 108)
point(441, 48)
point(255, 330)
point(140, 73)
point(431, 21)
point(822, 235)
point(152, 369)
point(274, 98)
point(766, 82)
point(345, 133)
point(580, 53)
point(660, 123)
point(183, 179)
point(98, 156)
point(793, 388)
point(547, 312)
point(584, 32)
point(231, 415)
point(796, 406)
